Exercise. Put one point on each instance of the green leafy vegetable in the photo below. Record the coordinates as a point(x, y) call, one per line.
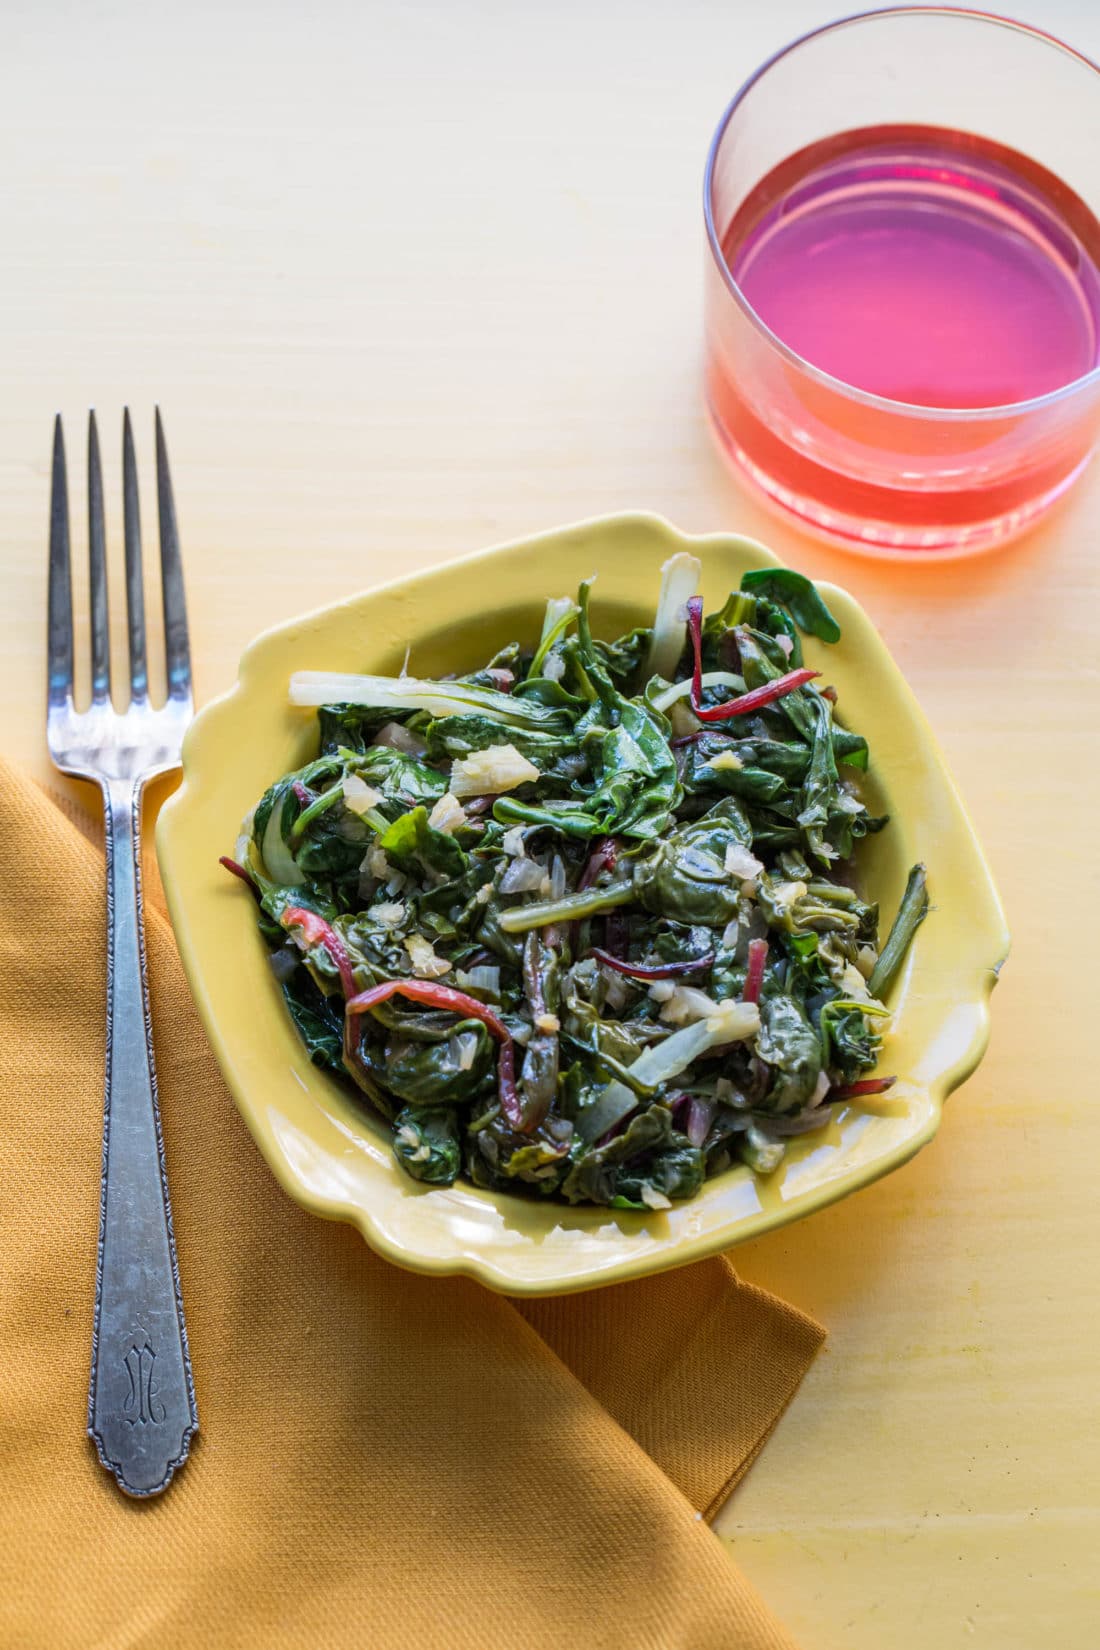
point(585, 922)
point(911, 913)
point(417, 847)
point(427, 1145)
point(798, 595)
point(319, 1025)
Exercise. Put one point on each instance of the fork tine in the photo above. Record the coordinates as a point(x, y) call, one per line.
point(97, 570)
point(60, 602)
point(176, 649)
point(135, 592)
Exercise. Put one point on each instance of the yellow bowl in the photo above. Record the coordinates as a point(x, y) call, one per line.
point(334, 1157)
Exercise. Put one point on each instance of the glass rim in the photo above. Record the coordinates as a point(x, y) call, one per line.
point(869, 398)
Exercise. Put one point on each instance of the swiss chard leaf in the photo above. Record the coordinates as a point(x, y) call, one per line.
point(798, 595)
point(427, 1145)
point(636, 783)
point(352, 726)
point(450, 737)
point(416, 846)
point(593, 1176)
point(686, 878)
point(821, 786)
point(319, 1022)
point(788, 1045)
point(443, 1073)
point(675, 1174)
point(623, 659)
point(401, 778)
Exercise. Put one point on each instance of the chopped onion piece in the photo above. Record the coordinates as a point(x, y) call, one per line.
point(764, 1154)
point(425, 964)
point(464, 1047)
point(448, 814)
point(786, 894)
point(390, 916)
point(359, 797)
point(398, 738)
point(652, 1198)
point(700, 1116)
point(512, 842)
point(375, 863)
point(616, 990)
point(852, 981)
point(725, 762)
point(742, 863)
point(522, 876)
point(688, 1003)
point(497, 768)
point(848, 803)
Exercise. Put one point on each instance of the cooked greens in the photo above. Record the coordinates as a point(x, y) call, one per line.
point(583, 922)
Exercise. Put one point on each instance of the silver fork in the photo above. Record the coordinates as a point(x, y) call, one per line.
point(141, 1398)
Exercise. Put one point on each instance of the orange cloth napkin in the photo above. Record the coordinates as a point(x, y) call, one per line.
point(384, 1460)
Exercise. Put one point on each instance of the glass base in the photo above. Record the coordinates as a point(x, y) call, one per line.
point(866, 536)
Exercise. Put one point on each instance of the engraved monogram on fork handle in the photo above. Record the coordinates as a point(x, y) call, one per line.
point(141, 1399)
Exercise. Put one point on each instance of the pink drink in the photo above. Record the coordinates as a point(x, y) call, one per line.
point(924, 266)
point(929, 267)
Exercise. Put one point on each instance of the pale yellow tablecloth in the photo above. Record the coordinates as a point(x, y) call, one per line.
point(410, 280)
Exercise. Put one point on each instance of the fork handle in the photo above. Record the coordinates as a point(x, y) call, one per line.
point(141, 1398)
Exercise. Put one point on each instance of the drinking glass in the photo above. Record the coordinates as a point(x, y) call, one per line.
point(871, 472)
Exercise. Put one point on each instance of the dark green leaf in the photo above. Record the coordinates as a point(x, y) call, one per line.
point(426, 1144)
point(319, 1022)
point(686, 877)
point(789, 1046)
point(416, 846)
point(798, 595)
point(436, 1074)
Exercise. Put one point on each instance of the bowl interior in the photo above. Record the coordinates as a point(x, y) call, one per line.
point(329, 1152)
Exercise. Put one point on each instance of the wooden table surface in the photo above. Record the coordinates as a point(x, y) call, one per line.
point(409, 280)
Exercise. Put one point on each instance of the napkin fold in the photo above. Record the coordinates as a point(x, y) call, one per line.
point(384, 1460)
